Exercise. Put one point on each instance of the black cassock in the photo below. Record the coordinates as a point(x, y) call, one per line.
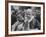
point(32, 25)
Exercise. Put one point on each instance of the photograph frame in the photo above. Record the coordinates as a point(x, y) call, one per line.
point(6, 18)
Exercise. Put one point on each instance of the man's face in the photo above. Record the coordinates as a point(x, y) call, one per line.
point(28, 15)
